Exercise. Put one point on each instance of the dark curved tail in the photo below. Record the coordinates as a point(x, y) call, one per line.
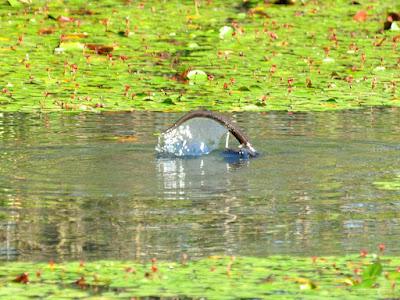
point(232, 128)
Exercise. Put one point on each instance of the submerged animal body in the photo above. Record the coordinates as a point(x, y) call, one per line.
point(245, 150)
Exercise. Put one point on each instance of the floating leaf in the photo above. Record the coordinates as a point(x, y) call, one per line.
point(81, 282)
point(360, 16)
point(73, 36)
point(379, 68)
point(45, 31)
point(328, 60)
point(196, 76)
point(249, 59)
point(371, 274)
point(244, 89)
point(83, 12)
point(18, 3)
point(64, 19)
point(225, 32)
point(168, 101)
point(193, 45)
point(69, 46)
point(23, 278)
point(331, 100)
point(373, 270)
point(100, 49)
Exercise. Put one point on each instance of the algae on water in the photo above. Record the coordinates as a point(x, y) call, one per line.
point(217, 277)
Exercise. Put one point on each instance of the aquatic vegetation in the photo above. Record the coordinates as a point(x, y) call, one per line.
point(180, 55)
point(217, 277)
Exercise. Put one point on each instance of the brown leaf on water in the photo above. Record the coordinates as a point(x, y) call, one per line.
point(127, 139)
point(81, 282)
point(396, 38)
point(181, 77)
point(100, 49)
point(23, 278)
point(83, 12)
point(45, 31)
point(130, 270)
point(64, 19)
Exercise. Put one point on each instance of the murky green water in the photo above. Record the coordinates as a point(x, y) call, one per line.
point(90, 186)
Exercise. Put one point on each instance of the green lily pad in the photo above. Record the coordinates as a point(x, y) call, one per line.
point(225, 32)
point(196, 76)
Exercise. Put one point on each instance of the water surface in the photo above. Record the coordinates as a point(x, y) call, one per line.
point(91, 186)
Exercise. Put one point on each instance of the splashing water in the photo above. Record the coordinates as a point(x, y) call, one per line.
point(195, 137)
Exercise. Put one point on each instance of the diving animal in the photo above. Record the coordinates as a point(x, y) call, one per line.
point(245, 147)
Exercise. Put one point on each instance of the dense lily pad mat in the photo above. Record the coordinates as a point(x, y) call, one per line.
point(347, 277)
point(174, 55)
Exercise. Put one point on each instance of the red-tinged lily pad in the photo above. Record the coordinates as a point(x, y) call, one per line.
point(46, 31)
point(361, 16)
point(64, 19)
point(81, 282)
point(100, 49)
point(23, 278)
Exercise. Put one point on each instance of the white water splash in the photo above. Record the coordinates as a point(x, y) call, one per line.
point(194, 137)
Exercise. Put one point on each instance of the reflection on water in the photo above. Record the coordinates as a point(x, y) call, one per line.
point(186, 178)
point(91, 186)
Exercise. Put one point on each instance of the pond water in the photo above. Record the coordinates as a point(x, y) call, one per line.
point(90, 186)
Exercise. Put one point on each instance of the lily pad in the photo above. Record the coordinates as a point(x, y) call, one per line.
point(225, 32)
point(196, 76)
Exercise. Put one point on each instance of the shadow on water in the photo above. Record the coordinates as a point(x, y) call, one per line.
point(91, 186)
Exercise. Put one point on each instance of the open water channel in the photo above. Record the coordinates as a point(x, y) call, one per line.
point(90, 186)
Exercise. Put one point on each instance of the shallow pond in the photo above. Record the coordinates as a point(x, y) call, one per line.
point(89, 186)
